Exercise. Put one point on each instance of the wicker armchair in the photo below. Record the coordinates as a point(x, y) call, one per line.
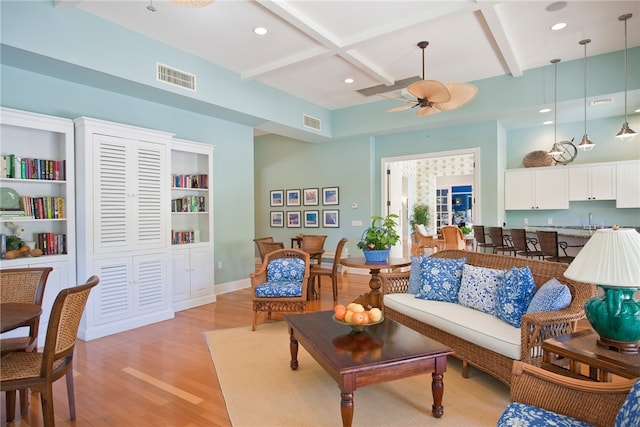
point(20, 370)
point(453, 238)
point(314, 244)
point(280, 284)
point(260, 245)
point(421, 240)
point(595, 403)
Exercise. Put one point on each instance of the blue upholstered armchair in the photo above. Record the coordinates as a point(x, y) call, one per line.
point(281, 283)
point(543, 398)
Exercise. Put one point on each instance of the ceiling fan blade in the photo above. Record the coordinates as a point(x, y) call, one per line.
point(461, 93)
point(401, 108)
point(425, 111)
point(432, 90)
point(408, 101)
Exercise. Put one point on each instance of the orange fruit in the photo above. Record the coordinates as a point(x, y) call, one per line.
point(357, 318)
point(340, 311)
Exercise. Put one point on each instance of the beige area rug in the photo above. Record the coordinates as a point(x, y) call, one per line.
point(261, 390)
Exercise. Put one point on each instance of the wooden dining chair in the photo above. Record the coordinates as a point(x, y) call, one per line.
point(313, 244)
point(332, 272)
point(259, 244)
point(22, 285)
point(39, 370)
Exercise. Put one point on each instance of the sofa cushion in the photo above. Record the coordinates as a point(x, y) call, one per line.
point(551, 296)
point(514, 295)
point(479, 286)
point(629, 413)
point(285, 269)
point(414, 275)
point(440, 278)
point(480, 328)
point(519, 414)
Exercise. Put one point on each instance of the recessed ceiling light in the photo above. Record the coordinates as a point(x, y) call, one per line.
point(558, 26)
point(545, 110)
point(261, 31)
point(637, 110)
point(348, 80)
point(548, 122)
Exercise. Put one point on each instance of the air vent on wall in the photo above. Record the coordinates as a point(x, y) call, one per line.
point(601, 101)
point(311, 122)
point(176, 77)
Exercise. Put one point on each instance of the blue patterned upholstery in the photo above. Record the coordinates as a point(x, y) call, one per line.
point(629, 414)
point(284, 279)
point(521, 415)
point(479, 287)
point(440, 278)
point(514, 295)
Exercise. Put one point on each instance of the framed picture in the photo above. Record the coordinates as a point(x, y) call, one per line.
point(277, 219)
point(293, 197)
point(293, 219)
point(330, 196)
point(310, 197)
point(277, 198)
point(311, 219)
point(331, 218)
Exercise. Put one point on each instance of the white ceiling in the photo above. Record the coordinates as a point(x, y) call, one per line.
point(312, 46)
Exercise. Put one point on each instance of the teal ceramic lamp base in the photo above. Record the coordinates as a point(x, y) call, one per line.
point(615, 316)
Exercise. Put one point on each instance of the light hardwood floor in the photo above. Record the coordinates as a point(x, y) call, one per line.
point(162, 374)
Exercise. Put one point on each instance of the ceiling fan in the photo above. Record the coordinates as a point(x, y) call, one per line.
point(433, 96)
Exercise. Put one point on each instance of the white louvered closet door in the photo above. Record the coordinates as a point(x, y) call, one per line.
point(129, 194)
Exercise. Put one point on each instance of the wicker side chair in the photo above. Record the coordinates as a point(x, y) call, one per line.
point(453, 238)
point(599, 404)
point(38, 370)
point(524, 245)
point(314, 244)
point(551, 247)
point(280, 284)
point(259, 244)
point(318, 272)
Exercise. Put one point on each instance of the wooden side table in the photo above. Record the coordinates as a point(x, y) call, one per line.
point(581, 347)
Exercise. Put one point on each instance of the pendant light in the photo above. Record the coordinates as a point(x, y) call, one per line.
point(555, 150)
point(626, 133)
point(585, 144)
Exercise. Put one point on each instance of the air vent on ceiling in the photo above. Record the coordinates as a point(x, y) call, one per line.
point(400, 84)
point(176, 77)
point(311, 122)
point(601, 101)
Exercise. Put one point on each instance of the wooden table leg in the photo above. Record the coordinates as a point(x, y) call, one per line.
point(346, 408)
point(293, 349)
point(374, 297)
point(437, 389)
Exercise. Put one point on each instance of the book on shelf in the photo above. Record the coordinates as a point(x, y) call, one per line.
point(17, 167)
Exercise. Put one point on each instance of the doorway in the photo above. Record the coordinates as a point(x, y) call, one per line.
point(434, 179)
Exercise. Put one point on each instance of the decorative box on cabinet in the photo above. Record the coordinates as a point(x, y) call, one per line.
point(192, 224)
point(123, 225)
point(596, 182)
point(536, 188)
point(44, 172)
point(628, 184)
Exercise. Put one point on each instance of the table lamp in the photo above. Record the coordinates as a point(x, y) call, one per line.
point(611, 260)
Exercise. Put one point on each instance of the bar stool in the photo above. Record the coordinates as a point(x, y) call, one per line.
point(481, 238)
point(500, 245)
point(550, 247)
point(521, 242)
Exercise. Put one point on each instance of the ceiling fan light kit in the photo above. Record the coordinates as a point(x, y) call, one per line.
point(626, 134)
point(433, 96)
point(585, 144)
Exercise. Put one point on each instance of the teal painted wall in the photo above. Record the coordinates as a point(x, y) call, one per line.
point(233, 161)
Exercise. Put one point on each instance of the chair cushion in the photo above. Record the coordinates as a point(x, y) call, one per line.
point(285, 269)
point(629, 413)
point(519, 414)
point(514, 295)
point(551, 296)
point(422, 229)
point(479, 286)
point(279, 289)
point(440, 278)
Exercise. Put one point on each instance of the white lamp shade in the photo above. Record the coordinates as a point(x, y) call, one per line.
point(610, 257)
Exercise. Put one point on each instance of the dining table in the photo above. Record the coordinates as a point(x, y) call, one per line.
point(374, 297)
point(16, 315)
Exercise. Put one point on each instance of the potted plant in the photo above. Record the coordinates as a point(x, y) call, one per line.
point(420, 215)
point(376, 241)
point(466, 230)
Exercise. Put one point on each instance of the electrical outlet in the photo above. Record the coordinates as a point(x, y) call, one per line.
point(549, 221)
point(219, 265)
point(526, 221)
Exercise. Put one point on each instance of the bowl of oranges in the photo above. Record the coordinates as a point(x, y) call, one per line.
point(356, 316)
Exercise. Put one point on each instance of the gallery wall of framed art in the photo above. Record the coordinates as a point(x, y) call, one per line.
point(307, 218)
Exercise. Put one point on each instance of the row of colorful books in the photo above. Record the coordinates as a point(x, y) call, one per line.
point(185, 237)
point(14, 166)
point(190, 181)
point(46, 207)
point(189, 204)
point(49, 243)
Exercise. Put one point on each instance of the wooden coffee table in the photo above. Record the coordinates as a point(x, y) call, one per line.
point(384, 352)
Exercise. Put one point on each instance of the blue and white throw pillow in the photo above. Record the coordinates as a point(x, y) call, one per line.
point(414, 275)
point(629, 413)
point(479, 287)
point(551, 296)
point(519, 414)
point(440, 278)
point(515, 292)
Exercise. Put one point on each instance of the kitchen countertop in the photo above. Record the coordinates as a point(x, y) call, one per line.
point(567, 230)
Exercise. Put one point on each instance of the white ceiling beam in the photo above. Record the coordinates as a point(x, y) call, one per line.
point(496, 28)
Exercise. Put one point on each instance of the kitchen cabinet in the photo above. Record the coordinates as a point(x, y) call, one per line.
point(593, 182)
point(536, 188)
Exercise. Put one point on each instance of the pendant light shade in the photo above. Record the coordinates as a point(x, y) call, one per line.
point(626, 133)
point(555, 149)
point(585, 144)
